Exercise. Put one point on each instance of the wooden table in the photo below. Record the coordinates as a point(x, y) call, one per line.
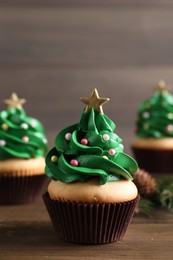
point(26, 233)
point(53, 52)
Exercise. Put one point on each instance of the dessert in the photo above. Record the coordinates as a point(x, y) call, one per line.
point(91, 197)
point(23, 147)
point(153, 145)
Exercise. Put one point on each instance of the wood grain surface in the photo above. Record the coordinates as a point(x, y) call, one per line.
point(54, 52)
point(26, 233)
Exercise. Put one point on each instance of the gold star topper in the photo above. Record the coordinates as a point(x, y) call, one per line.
point(94, 101)
point(14, 101)
point(161, 86)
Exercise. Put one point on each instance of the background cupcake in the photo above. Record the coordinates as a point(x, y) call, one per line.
point(23, 146)
point(91, 198)
point(153, 147)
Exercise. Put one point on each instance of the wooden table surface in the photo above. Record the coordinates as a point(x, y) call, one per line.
point(26, 233)
point(53, 52)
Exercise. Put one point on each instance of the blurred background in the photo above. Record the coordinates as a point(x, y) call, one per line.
point(53, 52)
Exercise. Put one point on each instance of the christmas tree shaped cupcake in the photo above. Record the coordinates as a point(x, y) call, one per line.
point(23, 146)
point(153, 147)
point(91, 197)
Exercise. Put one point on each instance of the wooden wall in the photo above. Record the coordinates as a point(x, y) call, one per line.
point(54, 52)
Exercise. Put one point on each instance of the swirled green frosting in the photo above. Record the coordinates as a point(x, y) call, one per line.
point(155, 116)
point(21, 136)
point(89, 149)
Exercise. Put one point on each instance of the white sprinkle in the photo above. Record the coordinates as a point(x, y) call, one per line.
point(105, 157)
point(2, 142)
point(45, 140)
point(68, 136)
point(106, 137)
point(4, 114)
point(122, 146)
point(146, 115)
point(170, 116)
point(24, 125)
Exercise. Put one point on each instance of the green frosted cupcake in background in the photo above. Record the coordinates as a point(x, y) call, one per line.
point(23, 147)
point(153, 146)
point(91, 197)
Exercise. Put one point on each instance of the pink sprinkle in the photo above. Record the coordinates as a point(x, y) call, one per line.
point(111, 152)
point(74, 162)
point(25, 138)
point(169, 128)
point(84, 141)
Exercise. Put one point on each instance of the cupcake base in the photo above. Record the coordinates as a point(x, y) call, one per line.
point(154, 161)
point(21, 189)
point(86, 223)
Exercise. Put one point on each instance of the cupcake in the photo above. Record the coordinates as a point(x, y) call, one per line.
point(153, 145)
point(91, 197)
point(23, 147)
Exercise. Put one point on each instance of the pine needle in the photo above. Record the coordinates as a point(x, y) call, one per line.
point(146, 206)
point(165, 193)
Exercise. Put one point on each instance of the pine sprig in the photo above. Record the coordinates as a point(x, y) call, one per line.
point(165, 193)
point(154, 192)
point(145, 206)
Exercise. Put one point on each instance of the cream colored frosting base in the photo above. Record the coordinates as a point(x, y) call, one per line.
point(90, 191)
point(153, 143)
point(22, 167)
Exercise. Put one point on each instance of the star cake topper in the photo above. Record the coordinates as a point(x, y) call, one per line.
point(94, 101)
point(161, 86)
point(14, 101)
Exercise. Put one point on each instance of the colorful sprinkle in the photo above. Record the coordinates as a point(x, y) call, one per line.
point(105, 157)
point(146, 126)
point(84, 141)
point(146, 115)
point(111, 152)
point(2, 142)
point(4, 126)
point(33, 124)
point(147, 105)
point(54, 158)
point(122, 146)
point(24, 125)
point(106, 137)
point(25, 139)
point(170, 115)
point(45, 141)
point(74, 162)
point(68, 136)
point(169, 128)
point(4, 114)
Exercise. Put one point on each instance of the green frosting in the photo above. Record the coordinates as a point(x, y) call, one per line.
point(89, 149)
point(21, 136)
point(155, 116)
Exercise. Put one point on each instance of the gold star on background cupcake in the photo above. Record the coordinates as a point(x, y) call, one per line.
point(14, 101)
point(161, 86)
point(94, 101)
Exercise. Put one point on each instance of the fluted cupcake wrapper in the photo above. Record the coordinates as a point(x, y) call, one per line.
point(154, 161)
point(21, 189)
point(87, 223)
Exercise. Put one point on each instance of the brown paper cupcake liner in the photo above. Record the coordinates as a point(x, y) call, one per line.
point(21, 189)
point(154, 161)
point(86, 223)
